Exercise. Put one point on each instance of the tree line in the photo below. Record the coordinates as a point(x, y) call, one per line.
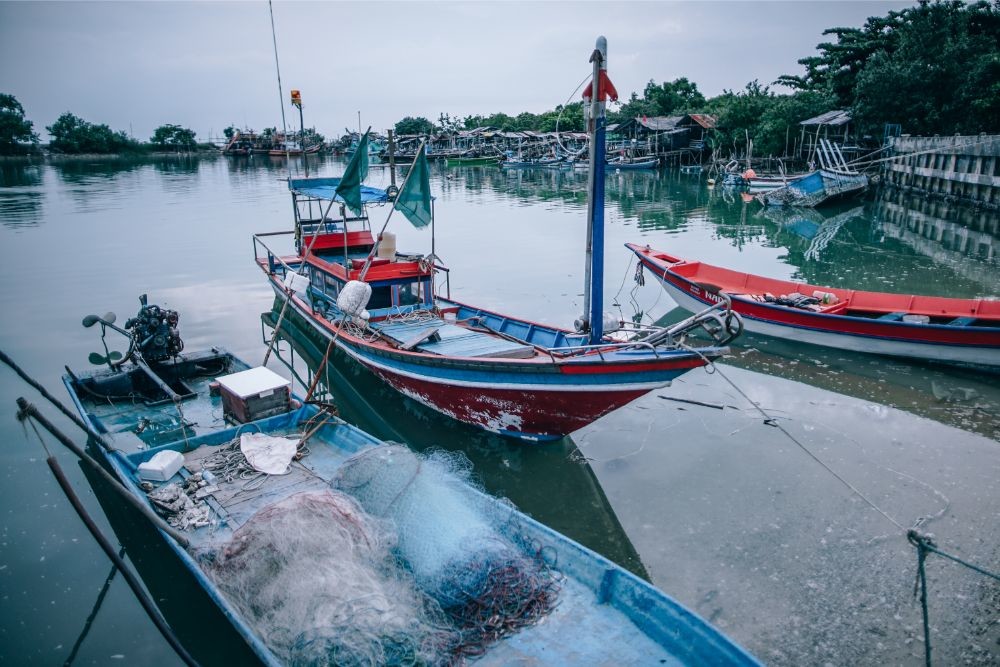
point(73, 135)
point(933, 68)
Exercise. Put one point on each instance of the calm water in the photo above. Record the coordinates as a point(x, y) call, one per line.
point(715, 507)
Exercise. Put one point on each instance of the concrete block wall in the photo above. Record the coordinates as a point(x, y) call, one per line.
point(960, 168)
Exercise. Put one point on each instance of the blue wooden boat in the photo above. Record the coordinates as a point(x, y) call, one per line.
point(834, 180)
point(164, 407)
point(626, 164)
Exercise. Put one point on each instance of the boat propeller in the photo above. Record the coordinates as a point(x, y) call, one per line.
point(91, 320)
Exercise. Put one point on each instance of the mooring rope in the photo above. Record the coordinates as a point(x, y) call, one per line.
point(923, 542)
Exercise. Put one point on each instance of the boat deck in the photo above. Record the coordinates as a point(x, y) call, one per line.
point(857, 303)
point(436, 336)
point(588, 626)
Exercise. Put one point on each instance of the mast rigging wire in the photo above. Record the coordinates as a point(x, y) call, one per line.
point(281, 94)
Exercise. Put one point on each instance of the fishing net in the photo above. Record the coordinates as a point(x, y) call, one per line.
point(488, 585)
point(317, 579)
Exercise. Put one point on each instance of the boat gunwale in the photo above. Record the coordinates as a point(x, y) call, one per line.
point(662, 266)
point(551, 362)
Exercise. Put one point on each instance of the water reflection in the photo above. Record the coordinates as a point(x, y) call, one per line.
point(21, 196)
point(964, 239)
point(552, 483)
point(967, 399)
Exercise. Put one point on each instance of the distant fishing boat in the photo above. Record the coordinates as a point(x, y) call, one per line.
point(293, 149)
point(535, 163)
point(965, 331)
point(834, 180)
point(627, 164)
point(285, 514)
point(504, 374)
point(471, 158)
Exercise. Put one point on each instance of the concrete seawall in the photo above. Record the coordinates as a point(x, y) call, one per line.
point(961, 169)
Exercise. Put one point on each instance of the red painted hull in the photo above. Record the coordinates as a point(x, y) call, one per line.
point(544, 415)
point(854, 321)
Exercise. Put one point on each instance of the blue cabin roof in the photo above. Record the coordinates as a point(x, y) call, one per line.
point(326, 189)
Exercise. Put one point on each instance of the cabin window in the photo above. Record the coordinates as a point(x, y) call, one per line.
point(317, 278)
point(381, 297)
point(409, 294)
point(332, 287)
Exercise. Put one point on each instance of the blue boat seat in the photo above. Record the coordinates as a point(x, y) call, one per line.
point(451, 340)
point(892, 317)
point(962, 321)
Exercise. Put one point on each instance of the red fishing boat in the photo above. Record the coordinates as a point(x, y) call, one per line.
point(385, 311)
point(964, 331)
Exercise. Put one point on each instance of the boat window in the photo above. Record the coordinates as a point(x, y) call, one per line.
point(332, 287)
point(381, 297)
point(409, 294)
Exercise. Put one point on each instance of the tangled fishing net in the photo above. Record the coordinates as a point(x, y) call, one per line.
point(316, 577)
point(483, 581)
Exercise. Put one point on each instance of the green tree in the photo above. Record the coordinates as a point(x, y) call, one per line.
point(934, 68)
point(173, 136)
point(664, 99)
point(229, 132)
point(15, 129)
point(411, 125)
point(72, 134)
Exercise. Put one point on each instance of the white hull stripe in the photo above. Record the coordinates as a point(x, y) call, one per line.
point(855, 342)
point(593, 388)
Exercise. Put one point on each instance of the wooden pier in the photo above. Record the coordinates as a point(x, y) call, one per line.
point(961, 169)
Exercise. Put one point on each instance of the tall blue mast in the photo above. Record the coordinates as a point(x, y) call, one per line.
point(593, 297)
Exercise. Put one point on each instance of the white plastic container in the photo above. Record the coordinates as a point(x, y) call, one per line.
point(162, 466)
point(387, 246)
point(296, 282)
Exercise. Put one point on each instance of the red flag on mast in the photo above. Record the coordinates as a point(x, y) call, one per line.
point(605, 89)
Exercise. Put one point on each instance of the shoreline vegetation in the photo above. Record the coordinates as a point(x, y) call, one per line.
point(881, 74)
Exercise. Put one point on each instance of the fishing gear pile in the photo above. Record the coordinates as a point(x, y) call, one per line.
point(455, 546)
point(317, 578)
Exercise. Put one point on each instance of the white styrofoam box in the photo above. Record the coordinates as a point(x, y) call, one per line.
point(296, 282)
point(162, 466)
point(254, 382)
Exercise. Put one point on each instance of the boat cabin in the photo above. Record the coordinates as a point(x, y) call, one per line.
point(334, 246)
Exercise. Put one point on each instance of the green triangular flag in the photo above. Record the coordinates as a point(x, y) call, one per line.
point(414, 199)
point(349, 188)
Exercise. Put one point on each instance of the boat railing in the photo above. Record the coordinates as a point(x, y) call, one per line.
point(273, 259)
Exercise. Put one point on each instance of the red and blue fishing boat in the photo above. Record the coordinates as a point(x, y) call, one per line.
point(384, 311)
point(932, 328)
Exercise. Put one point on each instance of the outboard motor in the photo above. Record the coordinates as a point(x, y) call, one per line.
point(154, 331)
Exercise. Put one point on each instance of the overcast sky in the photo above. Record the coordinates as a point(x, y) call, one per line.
point(208, 65)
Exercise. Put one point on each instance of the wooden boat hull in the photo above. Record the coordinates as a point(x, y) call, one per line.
point(460, 161)
point(767, 183)
point(628, 166)
point(815, 189)
point(974, 345)
point(604, 615)
point(530, 399)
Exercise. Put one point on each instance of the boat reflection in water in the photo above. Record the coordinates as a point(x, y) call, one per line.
point(964, 398)
point(553, 484)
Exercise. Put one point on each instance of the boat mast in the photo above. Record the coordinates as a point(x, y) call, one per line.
point(593, 295)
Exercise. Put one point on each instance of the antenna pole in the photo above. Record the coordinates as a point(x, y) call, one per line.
point(281, 95)
point(593, 296)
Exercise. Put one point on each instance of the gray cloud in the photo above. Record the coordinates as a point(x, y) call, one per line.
point(207, 65)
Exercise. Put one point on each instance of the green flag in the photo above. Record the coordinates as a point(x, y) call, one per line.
point(357, 171)
point(414, 199)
